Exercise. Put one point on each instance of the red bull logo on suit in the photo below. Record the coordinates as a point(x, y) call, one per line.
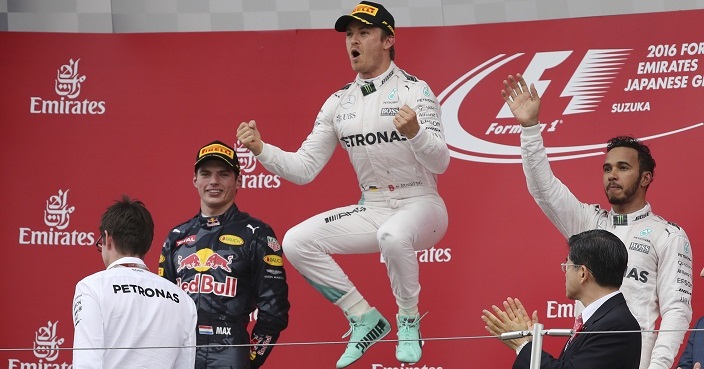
point(202, 261)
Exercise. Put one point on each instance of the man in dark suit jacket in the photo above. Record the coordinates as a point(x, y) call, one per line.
point(693, 355)
point(594, 271)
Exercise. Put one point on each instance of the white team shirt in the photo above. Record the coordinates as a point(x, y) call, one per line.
point(128, 306)
point(658, 281)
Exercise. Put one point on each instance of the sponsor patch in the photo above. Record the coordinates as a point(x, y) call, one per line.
point(206, 284)
point(216, 148)
point(274, 260)
point(392, 94)
point(335, 217)
point(388, 112)
point(188, 240)
point(635, 246)
point(365, 8)
point(231, 240)
point(273, 243)
point(642, 216)
point(620, 219)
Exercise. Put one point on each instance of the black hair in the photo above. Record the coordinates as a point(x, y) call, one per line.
point(130, 225)
point(602, 253)
point(646, 163)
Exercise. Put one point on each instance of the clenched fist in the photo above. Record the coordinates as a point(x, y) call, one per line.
point(406, 122)
point(249, 136)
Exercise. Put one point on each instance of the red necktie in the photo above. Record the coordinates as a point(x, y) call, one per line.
point(578, 325)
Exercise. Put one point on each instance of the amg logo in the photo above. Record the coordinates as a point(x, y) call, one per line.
point(371, 337)
point(389, 112)
point(335, 217)
point(639, 247)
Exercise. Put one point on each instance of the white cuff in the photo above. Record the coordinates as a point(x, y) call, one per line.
point(518, 350)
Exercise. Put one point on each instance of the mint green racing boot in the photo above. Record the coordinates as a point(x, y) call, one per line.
point(409, 348)
point(365, 330)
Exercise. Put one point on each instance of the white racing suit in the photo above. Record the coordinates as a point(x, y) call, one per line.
point(400, 211)
point(658, 280)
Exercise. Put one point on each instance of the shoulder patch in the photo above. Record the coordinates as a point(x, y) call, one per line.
point(674, 225)
point(346, 86)
point(408, 76)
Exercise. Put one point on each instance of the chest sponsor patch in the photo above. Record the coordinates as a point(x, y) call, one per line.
point(188, 240)
point(231, 240)
point(635, 246)
point(388, 112)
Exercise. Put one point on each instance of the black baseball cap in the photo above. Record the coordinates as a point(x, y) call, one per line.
point(218, 150)
point(369, 13)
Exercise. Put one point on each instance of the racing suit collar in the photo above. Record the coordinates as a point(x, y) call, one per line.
point(632, 218)
point(379, 80)
point(214, 221)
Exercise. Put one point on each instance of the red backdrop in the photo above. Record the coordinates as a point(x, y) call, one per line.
point(88, 117)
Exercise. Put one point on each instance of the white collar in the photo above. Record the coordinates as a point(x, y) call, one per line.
point(594, 306)
point(127, 260)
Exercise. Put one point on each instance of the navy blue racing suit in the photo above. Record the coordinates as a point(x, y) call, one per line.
point(230, 265)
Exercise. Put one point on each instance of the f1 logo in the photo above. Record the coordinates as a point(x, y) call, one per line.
point(588, 83)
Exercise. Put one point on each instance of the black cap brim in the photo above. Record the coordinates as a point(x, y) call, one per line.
point(343, 21)
point(212, 157)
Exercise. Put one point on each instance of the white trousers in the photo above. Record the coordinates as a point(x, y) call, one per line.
point(395, 227)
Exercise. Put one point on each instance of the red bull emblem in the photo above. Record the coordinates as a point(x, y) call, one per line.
point(203, 260)
point(216, 261)
point(212, 222)
point(189, 262)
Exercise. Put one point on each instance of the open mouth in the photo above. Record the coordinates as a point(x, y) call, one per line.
point(355, 53)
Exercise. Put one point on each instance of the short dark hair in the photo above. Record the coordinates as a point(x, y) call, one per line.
point(603, 253)
point(645, 159)
point(384, 35)
point(130, 225)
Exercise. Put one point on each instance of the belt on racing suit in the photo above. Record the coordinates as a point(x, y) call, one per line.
point(378, 193)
